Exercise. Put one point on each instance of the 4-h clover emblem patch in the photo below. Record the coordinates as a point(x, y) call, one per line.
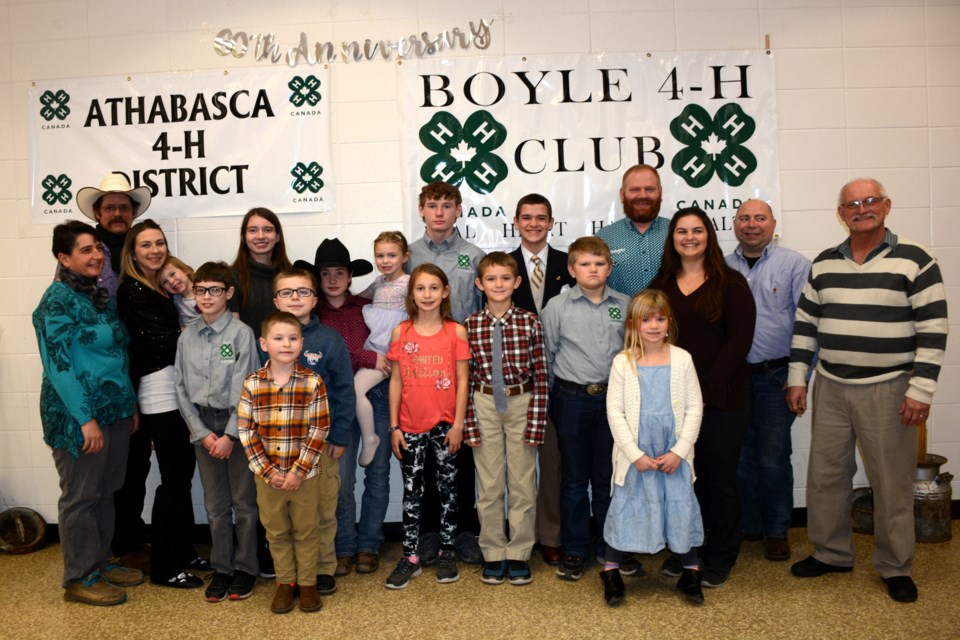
point(714, 145)
point(226, 351)
point(56, 189)
point(307, 176)
point(615, 313)
point(464, 153)
point(54, 105)
point(463, 261)
point(305, 90)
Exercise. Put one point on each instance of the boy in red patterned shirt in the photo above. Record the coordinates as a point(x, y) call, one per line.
point(283, 423)
point(506, 418)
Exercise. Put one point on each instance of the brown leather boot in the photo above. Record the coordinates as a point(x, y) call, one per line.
point(283, 598)
point(309, 598)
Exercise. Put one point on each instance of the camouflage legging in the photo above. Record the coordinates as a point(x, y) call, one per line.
point(412, 468)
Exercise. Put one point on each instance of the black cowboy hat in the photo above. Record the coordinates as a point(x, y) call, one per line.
point(332, 253)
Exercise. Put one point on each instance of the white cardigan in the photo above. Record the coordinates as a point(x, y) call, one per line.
point(623, 410)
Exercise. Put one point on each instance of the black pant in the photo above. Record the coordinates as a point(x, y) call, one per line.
point(717, 455)
point(467, 519)
point(172, 517)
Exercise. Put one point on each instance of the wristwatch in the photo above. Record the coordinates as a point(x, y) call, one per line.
point(393, 428)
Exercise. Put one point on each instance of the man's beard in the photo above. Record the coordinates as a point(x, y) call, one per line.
point(638, 216)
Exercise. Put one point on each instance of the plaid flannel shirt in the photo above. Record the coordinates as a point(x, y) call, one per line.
point(524, 360)
point(283, 428)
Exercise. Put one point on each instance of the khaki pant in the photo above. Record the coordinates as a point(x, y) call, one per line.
point(844, 414)
point(504, 462)
point(327, 508)
point(293, 529)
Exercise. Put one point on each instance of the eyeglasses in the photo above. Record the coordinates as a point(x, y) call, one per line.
point(853, 205)
point(216, 292)
point(302, 292)
point(116, 208)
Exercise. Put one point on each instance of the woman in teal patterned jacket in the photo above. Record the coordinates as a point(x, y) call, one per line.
point(88, 410)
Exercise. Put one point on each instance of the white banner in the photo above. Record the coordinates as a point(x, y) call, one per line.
point(568, 126)
point(207, 143)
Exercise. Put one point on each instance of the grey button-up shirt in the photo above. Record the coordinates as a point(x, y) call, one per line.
point(458, 259)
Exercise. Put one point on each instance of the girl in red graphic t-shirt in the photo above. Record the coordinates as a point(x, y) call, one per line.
point(429, 357)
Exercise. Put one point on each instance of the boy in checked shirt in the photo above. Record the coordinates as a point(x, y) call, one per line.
point(283, 422)
point(506, 418)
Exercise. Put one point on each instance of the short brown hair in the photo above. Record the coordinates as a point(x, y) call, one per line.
point(295, 273)
point(440, 191)
point(279, 317)
point(640, 167)
point(588, 244)
point(214, 272)
point(534, 199)
point(498, 259)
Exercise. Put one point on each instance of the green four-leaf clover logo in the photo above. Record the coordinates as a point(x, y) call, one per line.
point(56, 189)
point(305, 90)
point(714, 145)
point(226, 350)
point(464, 153)
point(54, 105)
point(463, 261)
point(307, 176)
point(614, 313)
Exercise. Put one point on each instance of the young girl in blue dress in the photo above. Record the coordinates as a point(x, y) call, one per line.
point(654, 409)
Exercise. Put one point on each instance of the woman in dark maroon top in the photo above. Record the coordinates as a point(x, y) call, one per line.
point(716, 314)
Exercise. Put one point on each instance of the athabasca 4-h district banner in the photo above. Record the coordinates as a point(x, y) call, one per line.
point(568, 126)
point(205, 143)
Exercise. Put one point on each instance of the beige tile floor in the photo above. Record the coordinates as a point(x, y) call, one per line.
point(761, 600)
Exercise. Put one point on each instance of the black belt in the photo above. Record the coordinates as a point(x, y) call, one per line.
point(210, 412)
point(768, 365)
point(514, 390)
point(592, 389)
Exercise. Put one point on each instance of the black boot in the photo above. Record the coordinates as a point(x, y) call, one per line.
point(689, 586)
point(613, 589)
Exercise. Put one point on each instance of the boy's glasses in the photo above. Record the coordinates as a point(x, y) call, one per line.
point(302, 292)
point(216, 292)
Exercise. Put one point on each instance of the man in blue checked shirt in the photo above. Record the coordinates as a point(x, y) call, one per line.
point(765, 474)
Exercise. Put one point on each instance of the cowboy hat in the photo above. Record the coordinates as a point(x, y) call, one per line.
point(332, 253)
point(112, 183)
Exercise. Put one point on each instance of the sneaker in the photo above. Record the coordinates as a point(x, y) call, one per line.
point(428, 548)
point(447, 570)
point(182, 580)
point(198, 564)
point(468, 548)
point(121, 576)
point(672, 567)
point(630, 566)
point(95, 590)
point(571, 568)
point(218, 587)
point(400, 577)
point(265, 564)
point(494, 572)
point(242, 586)
point(519, 573)
point(326, 585)
point(714, 577)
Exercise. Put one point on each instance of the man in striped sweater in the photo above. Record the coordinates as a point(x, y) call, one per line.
point(875, 308)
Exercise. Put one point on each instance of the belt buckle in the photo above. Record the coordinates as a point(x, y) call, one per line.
point(596, 389)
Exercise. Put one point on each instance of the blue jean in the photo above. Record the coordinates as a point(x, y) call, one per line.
point(586, 447)
point(376, 484)
point(765, 473)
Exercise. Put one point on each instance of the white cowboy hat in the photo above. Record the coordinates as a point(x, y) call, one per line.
point(112, 183)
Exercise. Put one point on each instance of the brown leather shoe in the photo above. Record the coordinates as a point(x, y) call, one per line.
point(283, 598)
point(344, 565)
point(95, 590)
point(776, 549)
point(367, 562)
point(309, 598)
point(551, 555)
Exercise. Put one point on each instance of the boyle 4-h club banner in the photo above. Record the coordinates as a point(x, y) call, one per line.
point(205, 143)
point(568, 126)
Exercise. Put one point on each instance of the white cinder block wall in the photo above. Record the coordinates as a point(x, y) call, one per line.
point(865, 88)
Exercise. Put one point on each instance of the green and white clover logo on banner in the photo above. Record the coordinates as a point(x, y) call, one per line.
point(56, 189)
point(464, 153)
point(307, 176)
point(54, 105)
point(714, 145)
point(305, 91)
